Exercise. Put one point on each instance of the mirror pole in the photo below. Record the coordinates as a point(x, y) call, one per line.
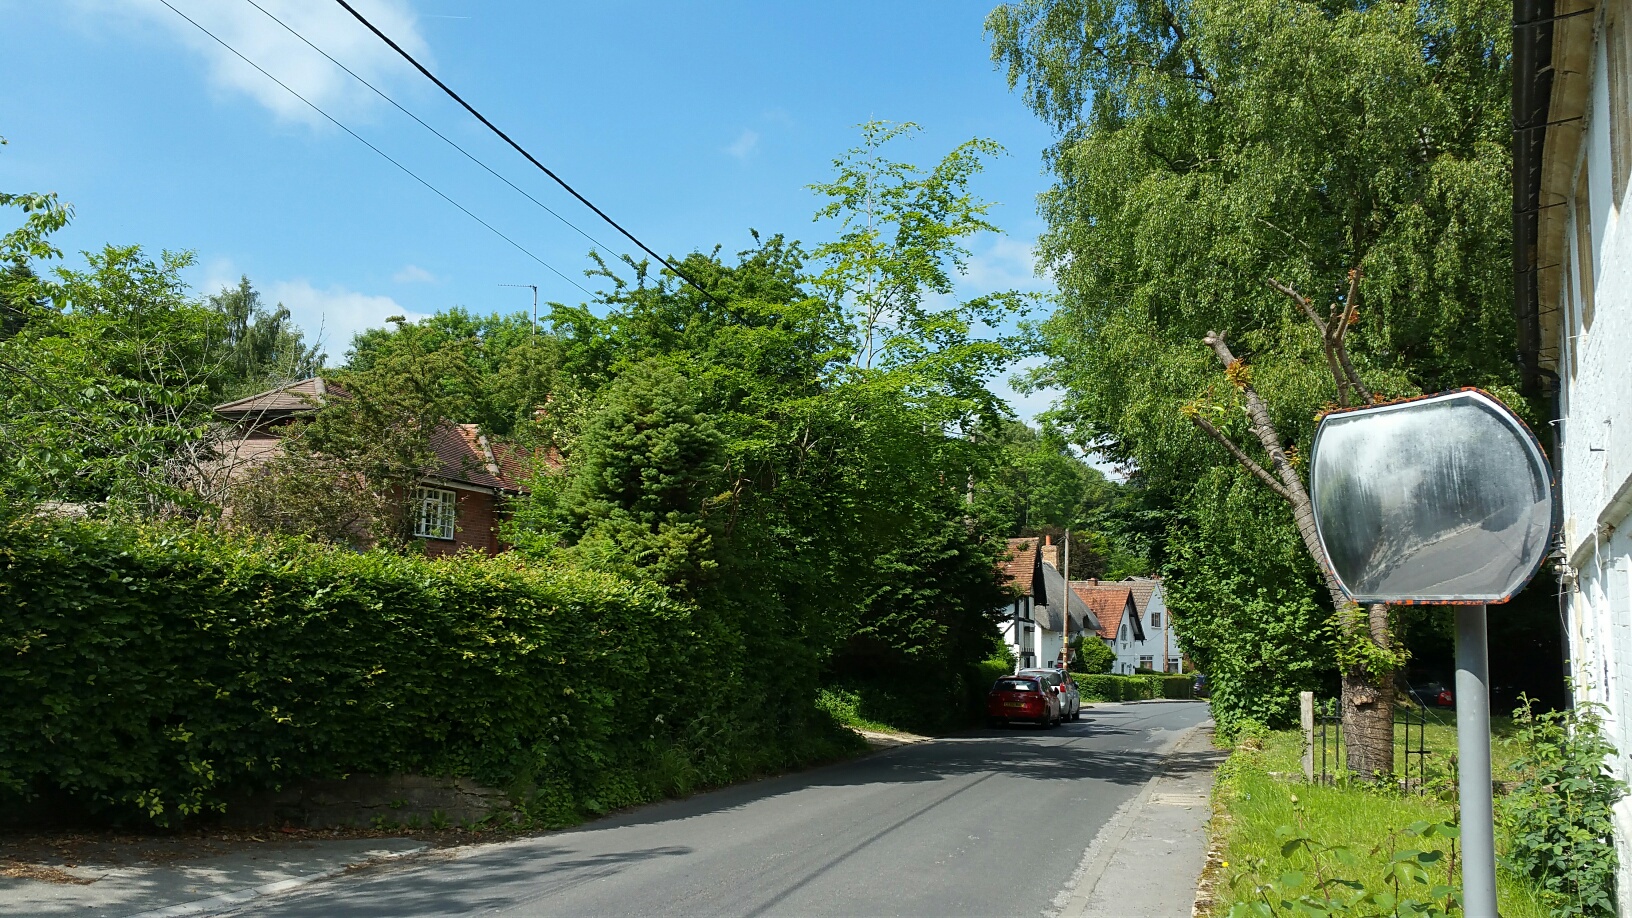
point(1473, 763)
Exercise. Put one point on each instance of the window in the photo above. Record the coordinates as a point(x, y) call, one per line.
point(1618, 50)
point(433, 513)
point(1148, 662)
point(1583, 247)
point(1122, 635)
point(1174, 665)
point(1155, 619)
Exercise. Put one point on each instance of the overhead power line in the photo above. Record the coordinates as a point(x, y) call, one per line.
point(529, 157)
point(409, 172)
point(445, 139)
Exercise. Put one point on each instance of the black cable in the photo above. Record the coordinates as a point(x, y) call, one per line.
point(445, 139)
point(382, 153)
point(529, 157)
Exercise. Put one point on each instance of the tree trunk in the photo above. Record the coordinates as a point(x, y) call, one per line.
point(1368, 697)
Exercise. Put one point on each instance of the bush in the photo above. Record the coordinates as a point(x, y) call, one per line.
point(1134, 688)
point(157, 672)
point(1559, 819)
point(1092, 656)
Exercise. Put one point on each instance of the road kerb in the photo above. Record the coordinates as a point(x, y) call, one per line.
point(1078, 899)
point(214, 904)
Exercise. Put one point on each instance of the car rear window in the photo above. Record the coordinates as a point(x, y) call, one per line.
point(1015, 685)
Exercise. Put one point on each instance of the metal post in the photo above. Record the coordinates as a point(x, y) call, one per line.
point(1306, 719)
point(1473, 763)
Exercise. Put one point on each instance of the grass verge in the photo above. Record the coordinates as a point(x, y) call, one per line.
point(1260, 789)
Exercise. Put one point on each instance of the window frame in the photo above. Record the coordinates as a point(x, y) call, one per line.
point(447, 499)
point(1147, 661)
point(1618, 55)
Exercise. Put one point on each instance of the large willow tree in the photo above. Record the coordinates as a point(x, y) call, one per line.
point(1264, 208)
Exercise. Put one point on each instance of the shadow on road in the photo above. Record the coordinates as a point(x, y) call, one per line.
point(1071, 752)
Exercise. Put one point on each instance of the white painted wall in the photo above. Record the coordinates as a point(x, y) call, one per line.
point(1159, 644)
point(1595, 371)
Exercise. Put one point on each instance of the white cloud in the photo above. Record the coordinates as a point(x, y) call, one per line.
point(413, 274)
point(217, 273)
point(1006, 264)
point(744, 145)
point(334, 314)
point(268, 44)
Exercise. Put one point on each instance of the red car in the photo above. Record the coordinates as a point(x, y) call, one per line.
point(1023, 697)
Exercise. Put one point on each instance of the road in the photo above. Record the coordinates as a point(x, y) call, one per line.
point(992, 823)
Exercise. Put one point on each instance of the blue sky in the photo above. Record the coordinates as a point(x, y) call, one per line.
point(688, 122)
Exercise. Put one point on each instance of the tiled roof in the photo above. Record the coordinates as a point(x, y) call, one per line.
point(1108, 600)
point(1143, 588)
point(306, 395)
point(1021, 563)
point(463, 453)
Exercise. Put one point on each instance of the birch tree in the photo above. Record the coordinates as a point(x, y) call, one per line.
point(1264, 208)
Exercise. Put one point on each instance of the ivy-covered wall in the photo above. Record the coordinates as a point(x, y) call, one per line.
point(154, 673)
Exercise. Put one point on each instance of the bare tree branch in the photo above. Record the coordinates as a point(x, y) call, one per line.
point(1240, 456)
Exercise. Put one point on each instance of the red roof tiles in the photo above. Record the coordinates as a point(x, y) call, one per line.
point(1108, 600)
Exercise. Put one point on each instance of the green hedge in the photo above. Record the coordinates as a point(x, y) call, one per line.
point(160, 672)
point(1135, 688)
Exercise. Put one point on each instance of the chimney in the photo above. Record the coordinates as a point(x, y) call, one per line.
point(1051, 552)
point(1094, 581)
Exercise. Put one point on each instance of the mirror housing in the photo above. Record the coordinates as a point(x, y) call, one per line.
point(1446, 498)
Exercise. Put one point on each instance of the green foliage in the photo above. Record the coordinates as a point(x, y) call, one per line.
point(152, 673)
point(1419, 882)
point(108, 385)
point(1134, 688)
point(645, 466)
point(1091, 655)
point(1263, 804)
point(1559, 819)
point(1242, 592)
point(1205, 146)
point(263, 348)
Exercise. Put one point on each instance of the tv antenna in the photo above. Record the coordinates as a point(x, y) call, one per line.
point(534, 288)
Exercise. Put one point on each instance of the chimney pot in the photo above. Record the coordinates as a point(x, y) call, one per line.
point(1048, 540)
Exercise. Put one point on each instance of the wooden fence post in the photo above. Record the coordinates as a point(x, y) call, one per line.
point(1306, 717)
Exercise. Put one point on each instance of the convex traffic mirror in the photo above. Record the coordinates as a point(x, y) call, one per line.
point(1441, 499)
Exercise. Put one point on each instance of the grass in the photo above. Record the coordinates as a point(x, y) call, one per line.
point(1254, 798)
point(844, 705)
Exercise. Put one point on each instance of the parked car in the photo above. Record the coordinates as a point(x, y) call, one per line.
point(1433, 695)
point(1024, 698)
point(1199, 687)
point(1064, 686)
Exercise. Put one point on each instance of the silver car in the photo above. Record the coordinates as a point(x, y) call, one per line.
point(1064, 686)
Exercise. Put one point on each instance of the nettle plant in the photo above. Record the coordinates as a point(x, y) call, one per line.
point(1558, 819)
point(1412, 876)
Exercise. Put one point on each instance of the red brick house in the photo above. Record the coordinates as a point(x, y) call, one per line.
point(458, 504)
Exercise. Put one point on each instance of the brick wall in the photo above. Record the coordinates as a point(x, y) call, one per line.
point(475, 526)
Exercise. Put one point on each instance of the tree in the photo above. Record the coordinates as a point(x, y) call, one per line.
point(1219, 162)
point(263, 349)
point(108, 388)
point(1091, 655)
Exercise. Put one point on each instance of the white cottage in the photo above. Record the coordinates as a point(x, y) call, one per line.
point(1572, 149)
point(1045, 614)
point(1134, 623)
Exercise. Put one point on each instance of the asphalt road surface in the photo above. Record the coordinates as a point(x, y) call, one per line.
point(992, 823)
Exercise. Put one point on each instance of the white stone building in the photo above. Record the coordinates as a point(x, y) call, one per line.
point(1573, 299)
point(1133, 622)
